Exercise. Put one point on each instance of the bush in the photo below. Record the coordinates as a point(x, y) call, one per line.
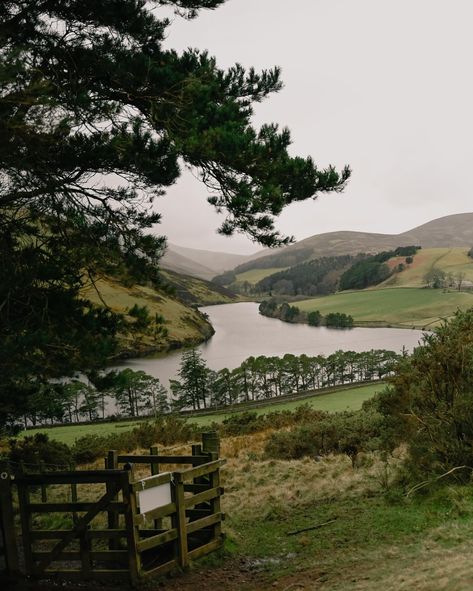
point(38, 447)
point(430, 402)
point(314, 318)
point(339, 320)
point(165, 431)
point(344, 433)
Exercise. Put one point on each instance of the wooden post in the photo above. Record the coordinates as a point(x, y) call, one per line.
point(215, 503)
point(132, 534)
point(7, 525)
point(72, 468)
point(179, 521)
point(44, 492)
point(153, 450)
point(211, 446)
point(25, 517)
point(211, 443)
point(111, 463)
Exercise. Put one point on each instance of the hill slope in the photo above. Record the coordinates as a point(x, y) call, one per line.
point(446, 232)
point(179, 263)
point(183, 324)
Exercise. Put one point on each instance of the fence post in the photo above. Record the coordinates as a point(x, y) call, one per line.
point(132, 537)
point(153, 450)
point(44, 491)
point(7, 525)
point(211, 442)
point(211, 446)
point(25, 517)
point(179, 520)
point(111, 463)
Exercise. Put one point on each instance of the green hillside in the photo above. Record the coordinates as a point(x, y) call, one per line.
point(396, 306)
point(448, 260)
point(183, 325)
point(195, 291)
point(450, 232)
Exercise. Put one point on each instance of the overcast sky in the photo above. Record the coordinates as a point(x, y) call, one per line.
point(383, 85)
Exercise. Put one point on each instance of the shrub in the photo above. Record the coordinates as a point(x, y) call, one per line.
point(430, 402)
point(339, 320)
point(164, 430)
point(346, 433)
point(38, 447)
point(314, 318)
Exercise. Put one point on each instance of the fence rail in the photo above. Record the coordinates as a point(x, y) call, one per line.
point(101, 524)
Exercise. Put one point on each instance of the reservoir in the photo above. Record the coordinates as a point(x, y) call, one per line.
point(241, 332)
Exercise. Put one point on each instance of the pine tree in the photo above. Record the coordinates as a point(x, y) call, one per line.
point(95, 117)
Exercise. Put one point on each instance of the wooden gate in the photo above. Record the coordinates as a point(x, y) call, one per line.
point(9, 563)
point(107, 524)
point(67, 536)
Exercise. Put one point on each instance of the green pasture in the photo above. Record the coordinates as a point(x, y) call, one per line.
point(339, 400)
point(448, 260)
point(255, 275)
point(405, 306)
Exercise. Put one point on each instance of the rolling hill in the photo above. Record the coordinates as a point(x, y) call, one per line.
point(446, 232)
point(204, 264)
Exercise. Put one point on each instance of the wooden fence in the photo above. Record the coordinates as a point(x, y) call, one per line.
point(121, 521)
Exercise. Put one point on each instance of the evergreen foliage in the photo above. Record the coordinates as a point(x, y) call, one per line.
point(373, 270)
point(429, 404)
point(95, 116)
point(319, 276)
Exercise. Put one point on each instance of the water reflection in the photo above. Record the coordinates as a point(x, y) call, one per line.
point(241, 332)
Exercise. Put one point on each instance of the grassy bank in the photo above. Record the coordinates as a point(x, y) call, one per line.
point(410, 307)
point(344, 399)
point(370, 537)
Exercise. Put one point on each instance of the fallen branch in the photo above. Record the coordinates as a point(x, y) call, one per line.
point(299, 531)
point(427, 482)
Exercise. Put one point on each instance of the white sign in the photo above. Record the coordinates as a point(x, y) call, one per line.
point(154, 497)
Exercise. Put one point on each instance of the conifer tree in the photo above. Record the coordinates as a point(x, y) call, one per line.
point(96, 119)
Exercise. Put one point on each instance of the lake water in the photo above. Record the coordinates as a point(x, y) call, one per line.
point(241, 332)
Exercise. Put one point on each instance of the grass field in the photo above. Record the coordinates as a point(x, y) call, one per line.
point(449, 260)
point(404, 306)
point(346, 399)
point(255, 275)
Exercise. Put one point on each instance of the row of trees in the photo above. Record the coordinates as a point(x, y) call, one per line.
point(259, 378)
point(97, 118)
point(127, 393)
point(293, 314)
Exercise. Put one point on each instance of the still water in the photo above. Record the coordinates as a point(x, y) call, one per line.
point(241, 332)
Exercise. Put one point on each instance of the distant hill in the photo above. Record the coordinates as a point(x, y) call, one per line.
point(173, 261)
point(202, 263)
point(446, 232)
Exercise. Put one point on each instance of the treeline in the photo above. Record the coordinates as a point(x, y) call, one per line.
point(289, 313)
point(262, 378)
point(133, 394)
point(317, 277)
point(130, 394)
point(374, 270)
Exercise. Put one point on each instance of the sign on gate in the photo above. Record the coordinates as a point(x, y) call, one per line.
point(152, 497)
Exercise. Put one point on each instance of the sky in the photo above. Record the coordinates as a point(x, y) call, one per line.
point(382, 85)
